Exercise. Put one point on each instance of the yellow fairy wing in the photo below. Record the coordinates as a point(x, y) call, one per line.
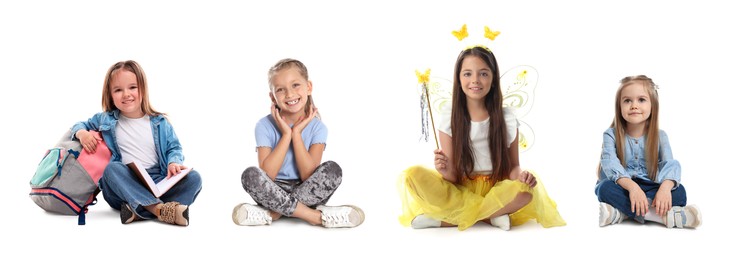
point(462, 33)
point(518, 89)
point(491, 34)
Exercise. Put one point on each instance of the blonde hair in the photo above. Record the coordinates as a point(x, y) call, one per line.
point(286, 64)
point(652, 124)
point(107, 101)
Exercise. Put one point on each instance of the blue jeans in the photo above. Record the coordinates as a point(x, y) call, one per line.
point(119, 185)
point(609, 192)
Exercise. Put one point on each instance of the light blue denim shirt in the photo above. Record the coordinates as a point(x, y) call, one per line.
point(166, 142)
point(635, 161)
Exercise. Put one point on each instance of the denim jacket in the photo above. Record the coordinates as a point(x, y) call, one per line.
point(166, 143)
point(635, 161)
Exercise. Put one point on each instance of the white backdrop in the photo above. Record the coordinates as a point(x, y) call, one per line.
point(206, 64)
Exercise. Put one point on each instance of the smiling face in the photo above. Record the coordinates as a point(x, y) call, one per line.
point(475, 78)
point(290, 91)
point(635, 104)
point(126, 93)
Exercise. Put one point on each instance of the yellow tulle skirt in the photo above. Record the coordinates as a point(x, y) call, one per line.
point(424, 191)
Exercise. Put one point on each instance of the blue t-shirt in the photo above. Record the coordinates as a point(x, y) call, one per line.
point(268, 135)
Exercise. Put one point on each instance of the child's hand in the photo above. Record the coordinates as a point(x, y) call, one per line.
point(441, 161)
point(298, 127)
point(88, 140)
point(528, 178)
point(173, 169)
point(283, 126)
point(662, 201)
point(638, 201)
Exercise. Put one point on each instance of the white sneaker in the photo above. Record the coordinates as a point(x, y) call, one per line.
point(684, 217)
point(246, 214)
point(503, 222)
point(340, 216)
point(609, 215)
point(424, 221)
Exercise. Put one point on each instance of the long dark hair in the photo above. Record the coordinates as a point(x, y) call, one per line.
point(462, 153)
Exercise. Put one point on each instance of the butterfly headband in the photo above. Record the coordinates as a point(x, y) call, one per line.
point(463, 33)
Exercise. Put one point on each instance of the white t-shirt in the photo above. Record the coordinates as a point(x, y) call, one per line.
point(479, 136)
point(136, 142)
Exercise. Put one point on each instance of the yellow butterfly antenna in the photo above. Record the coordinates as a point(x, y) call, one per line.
point(462, 33)
point(491, 34)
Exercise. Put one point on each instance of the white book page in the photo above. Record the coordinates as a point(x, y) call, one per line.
point(167, 183)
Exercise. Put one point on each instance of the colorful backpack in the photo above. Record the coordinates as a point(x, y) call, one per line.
point(66, 180)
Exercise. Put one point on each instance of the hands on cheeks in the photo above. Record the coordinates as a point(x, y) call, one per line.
point(174, 169)
point(279, 119)
point(88, 140)
point(527, 178)
point(304, 121)
point(300, 125)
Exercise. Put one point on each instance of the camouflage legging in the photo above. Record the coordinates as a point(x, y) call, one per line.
point(281, 196)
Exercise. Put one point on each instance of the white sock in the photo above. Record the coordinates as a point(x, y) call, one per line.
point(652, 216)
point(503, 222)
point(424, 221)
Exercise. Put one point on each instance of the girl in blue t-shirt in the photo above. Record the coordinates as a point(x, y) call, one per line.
point(290, 180)
point(636, 182)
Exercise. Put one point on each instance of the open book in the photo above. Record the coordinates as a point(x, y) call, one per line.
point(157, 189)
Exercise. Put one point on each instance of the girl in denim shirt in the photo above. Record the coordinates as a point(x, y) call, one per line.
point(290, 180)
point(477, 176)
point(634, 181)
point(134, 131)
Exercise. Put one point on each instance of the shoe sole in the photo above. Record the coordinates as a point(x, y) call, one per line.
point(238, 214)
point(186, 216)
point(698, 216)
point(605, 210)
point(127, 214)
point(361, 213)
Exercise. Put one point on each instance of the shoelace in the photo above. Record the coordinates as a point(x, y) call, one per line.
point(168, 212)
point(336, 217)
point(257, 216)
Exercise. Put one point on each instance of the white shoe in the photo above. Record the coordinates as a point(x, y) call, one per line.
point(246, 214)
point(684, 217)
point(424, 221)
point(503, 222)
point(340, 216)
point(609, 215)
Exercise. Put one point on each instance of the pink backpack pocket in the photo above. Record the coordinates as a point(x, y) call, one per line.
point(94, 163)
